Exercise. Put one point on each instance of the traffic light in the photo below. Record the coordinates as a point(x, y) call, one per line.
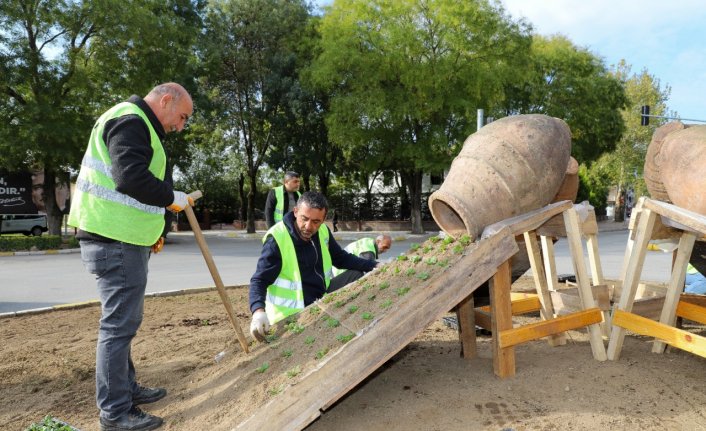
point(645, 119)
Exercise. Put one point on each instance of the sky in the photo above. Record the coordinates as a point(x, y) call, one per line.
point(667, 38)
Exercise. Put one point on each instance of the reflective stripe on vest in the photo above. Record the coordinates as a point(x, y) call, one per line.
point(285, 296)
point(357, 248)
point(97, 206)
point(279, 203)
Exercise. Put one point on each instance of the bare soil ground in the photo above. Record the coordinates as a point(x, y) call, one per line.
point(47, 367)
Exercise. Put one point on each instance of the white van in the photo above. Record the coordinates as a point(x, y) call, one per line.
point(28, 224)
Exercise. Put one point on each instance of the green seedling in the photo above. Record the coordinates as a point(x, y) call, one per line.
point(465, 240)
point(443, 247)
point(432, 261)
point(333, 323)
point(50, 424)
point(397, 270)
point(315, 310)
point(354, 296)
point(402, 257)
point(383, 269)
point(339, 304)
point(416, 259)
point(294, 371)
point(458, 249)
point(294, 327)
point(414, 246)
point(345, 338)
point(321, 353)
point(367, 316)
point(386, 303)
point(275, 391)
point(262, 368)
point(443, 263)
point(423, 275)
point(402, 291)
point(448, 240)
point(328, 298)
point(427, 249)
point(384, 285)
point(206, 322)
point(353, 308)
point(410, 272)
point(309, 340)
point(287, 353)
point(372, 297)
point(367, 286)
point(271, 338)
point(435, 239)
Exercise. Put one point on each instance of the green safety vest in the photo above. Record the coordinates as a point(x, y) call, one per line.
point(97, 207)
point(691, 270)
point(285, 295)
point(279, 205)
point(357, 248)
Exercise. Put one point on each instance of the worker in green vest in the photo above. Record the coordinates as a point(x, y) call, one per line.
point(282, 199)
point(695, 282)
point(296, 265)
point(366, 248)
point(118, 207)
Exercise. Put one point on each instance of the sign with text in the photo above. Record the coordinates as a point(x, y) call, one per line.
point(16, 193)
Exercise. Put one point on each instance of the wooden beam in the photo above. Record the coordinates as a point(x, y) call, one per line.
point(501, 320)
point(692, 312)
point(568, 300)
point(673, 336)
point(678, 217)
point(482, 318)
point(465, 316)
point(534, 331)
point(519, 306)
point(529, 221)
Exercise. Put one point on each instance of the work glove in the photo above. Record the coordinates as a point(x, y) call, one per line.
point(158, 246)
point(181, 200)
point(259, 326)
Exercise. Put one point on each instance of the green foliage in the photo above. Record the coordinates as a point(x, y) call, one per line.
point(309, 340)
point(333, 323)
point(401, 291)
point(435, 239)
point(416, 259)
point(410, 271)
point(458, 249)
point(448, 240)
point(386, 303)
point(384, 285)
point(367, 316)
point(294, 328)
point(345, 338)
point(321, 353)
point(23, 243)
point(423, 275)
point(465, 240)
point(431, 261)
point(353, 308)
point(314, 310)
point(402, 257)
point(262, 368)
point(294, 371)
point(287, 353)
point(414, 246)
point(50, 424)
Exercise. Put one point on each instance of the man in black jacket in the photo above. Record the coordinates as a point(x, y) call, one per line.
point(299, 233)
point(282, 199)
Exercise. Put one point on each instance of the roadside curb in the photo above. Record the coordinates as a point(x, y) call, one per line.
point(95, 302)
point(40, 252)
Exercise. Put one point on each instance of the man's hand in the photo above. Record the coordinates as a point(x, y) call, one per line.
point(259, 326)
point(181, 200)
point(158, 246)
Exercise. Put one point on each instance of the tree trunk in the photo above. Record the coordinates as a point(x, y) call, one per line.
point(54, 214)
point(414, 185)
point(243, 213)
point(250, 228)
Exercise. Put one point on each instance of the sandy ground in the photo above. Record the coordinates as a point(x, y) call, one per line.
point(47, 367)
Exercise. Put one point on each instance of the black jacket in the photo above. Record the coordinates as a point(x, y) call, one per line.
point(271, 204)
point(128, 142)
point(311, 265)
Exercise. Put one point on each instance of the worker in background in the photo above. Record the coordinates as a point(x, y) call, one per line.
point(366, 248)
point(695, 282)
point(118, 207)
point(282, 199)
point(296, 264)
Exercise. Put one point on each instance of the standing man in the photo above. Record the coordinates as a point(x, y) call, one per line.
point(295, 267)
point(282, 199)
point(118, 208)
point(366, 248)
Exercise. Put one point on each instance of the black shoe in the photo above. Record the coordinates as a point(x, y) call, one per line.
point(148, 395)
point(134, 420)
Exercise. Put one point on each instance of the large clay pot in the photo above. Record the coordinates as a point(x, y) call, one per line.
point(683, 169)
point(569, 188)
point(654, 159)
point(509, 167)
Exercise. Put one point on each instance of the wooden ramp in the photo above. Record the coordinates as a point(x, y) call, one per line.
point(380, 335)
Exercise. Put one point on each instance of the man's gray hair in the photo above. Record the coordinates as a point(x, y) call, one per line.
point(290, 175)
point(313, 200)
point(171, 88)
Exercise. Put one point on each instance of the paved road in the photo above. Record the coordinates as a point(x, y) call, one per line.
point(28, 282)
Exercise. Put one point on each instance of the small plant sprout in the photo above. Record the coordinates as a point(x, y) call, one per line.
point(262, 368)
point(321, 353)
point(339, 304)
point(443, 263)
point(448, 240)
point(271, 338)
point(333, 323)
point(383, 269)
point(367, 316)
point(458, 249)
point(372, 297)
point(353, 308)
point(345, 338)
point(309, 340)
point(414, 246)
point(465, 240)
point(401, 291)
point(410, 272)
point(384, 285)
point(329, 297)
point(435, 239)
point(367, 286)
point(397, 270)
point(287, 353)
point(416, 259)
point(402, 257)
point(354, 296)
point(275, 391)
point(427, 249)
point(386, 303)
point(294, 371)
point(423, 275)
point(315, 310)
point(432, 261)
point(294, 327)
point(443, 247)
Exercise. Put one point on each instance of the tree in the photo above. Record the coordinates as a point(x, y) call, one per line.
point(62, 63)
point(406, 78)
point(570, 83)
point(249, 53)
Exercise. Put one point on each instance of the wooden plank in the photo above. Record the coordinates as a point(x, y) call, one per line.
point(519, 305)
point(534, 331)
point(685, 219)
point(568, 300)
point(465, 316)
point(540, 283)
point(483, 319)
point(691, 298)
point(650, 308)
point(501, 320)
point(589, 227)
point(632, 267)
point(675, 337)
point(549, 258)
point(573, 235)
point(529, 221)
point(594, 259)
point(300, 404)
point(692, 312)
point(676, 285)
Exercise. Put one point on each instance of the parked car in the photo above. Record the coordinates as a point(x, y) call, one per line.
point(28, 224)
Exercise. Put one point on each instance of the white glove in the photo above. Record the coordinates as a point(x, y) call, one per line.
point(259, 326)
point(181, 200)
